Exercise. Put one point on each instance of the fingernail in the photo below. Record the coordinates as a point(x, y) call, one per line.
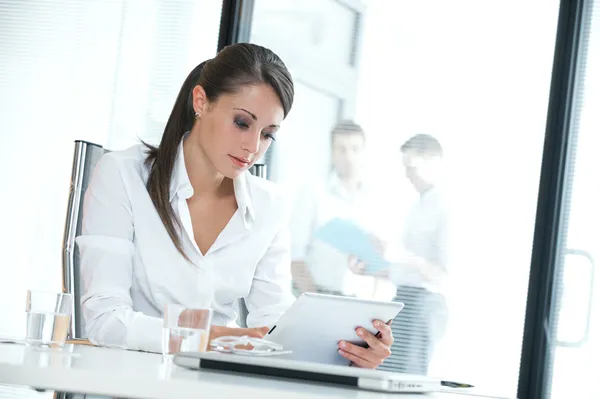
point(377, 323)
point(341, 352)
point(360, 332)
point(343, 345)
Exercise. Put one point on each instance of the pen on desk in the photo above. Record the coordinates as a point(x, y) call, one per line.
point(453, 384)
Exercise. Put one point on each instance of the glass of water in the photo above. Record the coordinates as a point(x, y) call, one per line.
point(185, 329)
point(48, 318)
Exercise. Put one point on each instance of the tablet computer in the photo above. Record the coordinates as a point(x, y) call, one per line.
point(313, 326)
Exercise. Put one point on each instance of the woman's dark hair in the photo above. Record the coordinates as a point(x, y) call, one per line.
point(234, 67)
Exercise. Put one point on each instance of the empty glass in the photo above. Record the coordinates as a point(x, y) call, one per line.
point(48, 318)
point(185, 330)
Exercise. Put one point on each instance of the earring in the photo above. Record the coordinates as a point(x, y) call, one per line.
point(197, 115)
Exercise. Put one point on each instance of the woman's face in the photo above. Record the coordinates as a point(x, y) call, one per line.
point(236, 129)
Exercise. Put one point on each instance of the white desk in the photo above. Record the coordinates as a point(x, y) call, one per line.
point(113, 372)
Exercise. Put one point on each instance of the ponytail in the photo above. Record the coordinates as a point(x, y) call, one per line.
point(161, 159)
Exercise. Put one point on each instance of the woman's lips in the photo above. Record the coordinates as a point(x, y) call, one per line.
point(240, 162)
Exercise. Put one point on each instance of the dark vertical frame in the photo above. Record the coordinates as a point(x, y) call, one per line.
point(236, 22)
point(548, 242)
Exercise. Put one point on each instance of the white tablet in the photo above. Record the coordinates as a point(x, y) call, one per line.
point(315, 323)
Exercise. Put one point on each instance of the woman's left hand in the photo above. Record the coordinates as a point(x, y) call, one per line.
point(379, 346)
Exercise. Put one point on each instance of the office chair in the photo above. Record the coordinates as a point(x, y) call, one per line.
point(85, 158)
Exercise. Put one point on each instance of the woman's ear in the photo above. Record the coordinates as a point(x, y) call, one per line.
point(200, 100)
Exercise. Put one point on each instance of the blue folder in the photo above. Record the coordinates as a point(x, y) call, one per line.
point(348, 237)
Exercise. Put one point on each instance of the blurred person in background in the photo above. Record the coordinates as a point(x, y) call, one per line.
point(419, 260)
point(318, 266)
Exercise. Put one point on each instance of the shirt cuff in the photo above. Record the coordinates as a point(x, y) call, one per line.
point(269, 315)
point(145, 333)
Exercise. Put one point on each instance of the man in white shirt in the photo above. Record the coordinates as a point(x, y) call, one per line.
point(346, 196)
point(420, 262)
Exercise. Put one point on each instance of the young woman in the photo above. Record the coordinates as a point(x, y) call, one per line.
point(184, 221)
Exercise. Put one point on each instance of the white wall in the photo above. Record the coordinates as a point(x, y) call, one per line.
point(104, 71)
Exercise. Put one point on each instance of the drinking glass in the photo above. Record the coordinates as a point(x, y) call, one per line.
point(48, 318)
point(185, 329)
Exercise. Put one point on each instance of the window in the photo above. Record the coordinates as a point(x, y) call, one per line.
point(576, 348)
point(450, 71)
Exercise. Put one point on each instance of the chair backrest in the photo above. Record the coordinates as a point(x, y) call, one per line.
point(85, 158)
point(259, 170)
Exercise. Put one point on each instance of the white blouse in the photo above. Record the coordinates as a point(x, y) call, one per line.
point(131, 269)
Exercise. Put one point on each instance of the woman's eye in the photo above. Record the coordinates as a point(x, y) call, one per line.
point(270, 136)
point(241, 124)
